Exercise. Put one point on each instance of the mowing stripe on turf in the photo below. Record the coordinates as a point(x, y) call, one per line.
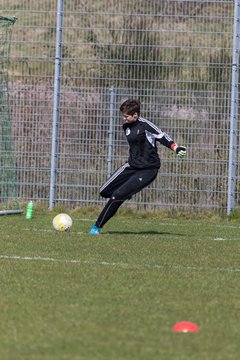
point(105, 234)
point(119, 264)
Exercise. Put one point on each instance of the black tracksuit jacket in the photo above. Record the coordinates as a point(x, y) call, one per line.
point(142, 136)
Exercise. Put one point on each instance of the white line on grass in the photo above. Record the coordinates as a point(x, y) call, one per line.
point(119, 264)
point(200, 224)
point(53, 230)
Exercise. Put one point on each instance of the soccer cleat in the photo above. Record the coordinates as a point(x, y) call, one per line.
point(94, 230)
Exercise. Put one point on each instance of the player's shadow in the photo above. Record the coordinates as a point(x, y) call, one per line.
point(145, 232)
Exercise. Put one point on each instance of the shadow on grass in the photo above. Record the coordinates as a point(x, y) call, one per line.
point(146, 232)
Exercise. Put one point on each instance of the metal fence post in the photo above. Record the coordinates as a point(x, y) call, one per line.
point(111, 129)
point(234, 109)
point(57, 86)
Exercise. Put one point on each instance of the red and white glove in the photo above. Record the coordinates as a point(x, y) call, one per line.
point(179, 150)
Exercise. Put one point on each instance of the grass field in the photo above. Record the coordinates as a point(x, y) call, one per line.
point(118, 295)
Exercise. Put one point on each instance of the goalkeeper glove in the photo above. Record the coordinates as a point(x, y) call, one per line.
point(180, 151)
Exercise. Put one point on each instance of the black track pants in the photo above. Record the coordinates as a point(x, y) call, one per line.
point(122, 185)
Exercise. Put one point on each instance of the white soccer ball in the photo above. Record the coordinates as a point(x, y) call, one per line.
point(62, 222)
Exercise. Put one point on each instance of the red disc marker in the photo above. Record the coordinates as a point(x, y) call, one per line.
point(185, 327)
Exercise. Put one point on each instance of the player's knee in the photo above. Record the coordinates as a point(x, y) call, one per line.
point(105, 193)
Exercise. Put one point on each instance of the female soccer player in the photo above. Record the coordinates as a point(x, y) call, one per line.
point(143, 163)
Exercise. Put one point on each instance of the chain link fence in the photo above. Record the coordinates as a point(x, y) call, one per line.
point(175, 56)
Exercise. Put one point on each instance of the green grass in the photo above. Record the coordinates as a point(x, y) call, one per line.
point(124, 293)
